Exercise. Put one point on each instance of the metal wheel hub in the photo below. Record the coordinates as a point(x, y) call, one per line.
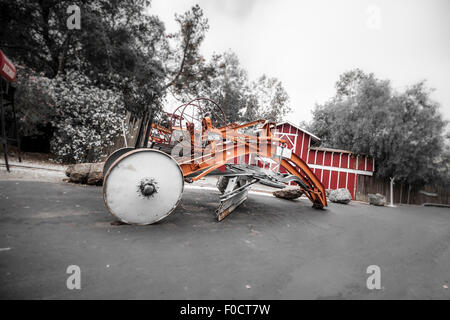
point(147, 187)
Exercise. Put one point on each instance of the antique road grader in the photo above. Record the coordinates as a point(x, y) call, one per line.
point(144, 185)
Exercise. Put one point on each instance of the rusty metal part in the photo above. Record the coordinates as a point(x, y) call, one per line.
point(233, 196)
point(113, 157)
point(192, 113)
point(229, 205)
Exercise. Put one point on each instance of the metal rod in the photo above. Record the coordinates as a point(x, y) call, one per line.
point(229, 195)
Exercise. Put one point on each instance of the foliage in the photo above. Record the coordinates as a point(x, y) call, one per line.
point(268, 100)
point(33, 103)
point(241, 99)
point(88, 118)
point(84, 117)
point(30, 32)
point(121, 57)
point(444, 162)
point(187, 69)
point(124, 48)
point(228, 85)
point(118, 44)
point(402, 130)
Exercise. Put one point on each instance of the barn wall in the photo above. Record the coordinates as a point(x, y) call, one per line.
point(299, 142)
point(334, 179)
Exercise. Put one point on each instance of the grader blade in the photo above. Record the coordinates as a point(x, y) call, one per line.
point(230, 204)
point(235, 194)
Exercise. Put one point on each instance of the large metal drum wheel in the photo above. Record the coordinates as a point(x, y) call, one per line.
point(143, 186)
point(113, 157)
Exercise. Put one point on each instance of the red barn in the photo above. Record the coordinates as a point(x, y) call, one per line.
point(335, 168)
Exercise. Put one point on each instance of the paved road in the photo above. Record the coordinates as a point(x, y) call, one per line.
point(268, 249)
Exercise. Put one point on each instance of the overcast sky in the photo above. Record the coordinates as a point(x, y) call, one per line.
point(308, 44)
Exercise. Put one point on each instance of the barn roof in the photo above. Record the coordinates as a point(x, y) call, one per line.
point(299, 128)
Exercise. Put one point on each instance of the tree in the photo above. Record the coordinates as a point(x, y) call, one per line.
point(118, 46)
point(88, 120)
point(241, 99)
point(228, 86)
point(402, 130)
point(186, 68)
point(123, 47)
point(118, 49)
point(417, 137)
point(33, 102)
point(34, 32)
point(267, 100)
point(444, 163)
point(349, 82)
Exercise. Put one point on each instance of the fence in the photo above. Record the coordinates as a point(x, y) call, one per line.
point(402, 192)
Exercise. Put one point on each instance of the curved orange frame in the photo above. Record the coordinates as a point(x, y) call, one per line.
point(205, 161)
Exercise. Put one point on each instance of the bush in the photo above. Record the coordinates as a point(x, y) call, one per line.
point(33, 102)
point(88, 118)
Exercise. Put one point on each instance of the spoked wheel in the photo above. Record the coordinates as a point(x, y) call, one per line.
point(143, 186)
point(192, 114)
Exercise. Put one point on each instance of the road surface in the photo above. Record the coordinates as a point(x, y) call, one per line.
point(267, 249)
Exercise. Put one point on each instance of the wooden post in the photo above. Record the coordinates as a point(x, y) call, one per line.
point(392, 192)
point(401, 193)
point(16, 127)
point(141, 131)
point(3, 124)
point(409, 192)
point(149, 129)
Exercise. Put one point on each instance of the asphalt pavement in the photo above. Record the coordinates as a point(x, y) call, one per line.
point(268, 248)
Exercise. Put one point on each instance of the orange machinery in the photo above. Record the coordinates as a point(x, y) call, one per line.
point(143, 186)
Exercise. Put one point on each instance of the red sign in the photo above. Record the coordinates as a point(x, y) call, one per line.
point(7, 69)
